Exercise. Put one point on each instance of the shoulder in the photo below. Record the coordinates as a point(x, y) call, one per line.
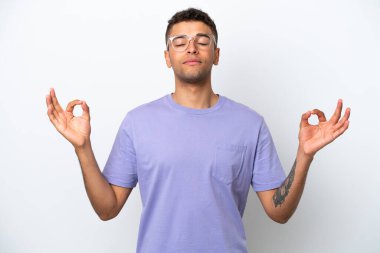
point(241, 110)
point(148, 109)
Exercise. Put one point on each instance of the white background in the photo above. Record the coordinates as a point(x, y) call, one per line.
point(281, 58)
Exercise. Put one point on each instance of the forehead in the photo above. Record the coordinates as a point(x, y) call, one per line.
point(190, 28)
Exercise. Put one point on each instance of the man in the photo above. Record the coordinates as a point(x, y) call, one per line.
point(194, 153)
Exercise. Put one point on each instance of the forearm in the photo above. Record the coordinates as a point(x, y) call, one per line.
point(281, 203)
point(99, 191)
point(285, 199)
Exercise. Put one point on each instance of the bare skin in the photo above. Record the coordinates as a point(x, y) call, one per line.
point(281, 203)
point(192, 81)
point(107, 200)
point(193, 89)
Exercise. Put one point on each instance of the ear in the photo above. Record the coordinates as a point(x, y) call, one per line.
point(167, 59)
point(216, 56)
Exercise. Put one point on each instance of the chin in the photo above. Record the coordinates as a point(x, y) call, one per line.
point(193, 80)
point(198, 78)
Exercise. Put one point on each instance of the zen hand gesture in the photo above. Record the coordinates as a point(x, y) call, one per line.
point(312, 138)
point(75, 129)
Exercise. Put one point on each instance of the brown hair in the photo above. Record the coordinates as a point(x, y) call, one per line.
point(191, 14)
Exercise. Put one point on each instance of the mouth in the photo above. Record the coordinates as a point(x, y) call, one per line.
point(192, 62)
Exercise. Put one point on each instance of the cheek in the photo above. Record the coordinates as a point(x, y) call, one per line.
point(210, 59)
point(176, 61)
point(172, 59)
point(173, 63)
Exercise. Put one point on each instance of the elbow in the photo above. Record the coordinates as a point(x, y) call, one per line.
point(281, 219)
point(106, 212)
point(106, 216)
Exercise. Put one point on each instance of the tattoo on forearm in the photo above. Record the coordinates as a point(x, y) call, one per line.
point(283, 191)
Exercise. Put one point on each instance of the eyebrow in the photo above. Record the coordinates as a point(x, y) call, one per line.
point(198, 34)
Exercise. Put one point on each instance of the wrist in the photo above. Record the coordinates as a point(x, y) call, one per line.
point(302, 156)
point(83, 147)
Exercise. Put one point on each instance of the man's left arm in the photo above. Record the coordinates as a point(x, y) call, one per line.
point(281, 203)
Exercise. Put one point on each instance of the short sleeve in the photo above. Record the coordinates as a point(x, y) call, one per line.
point(120, 168)
point(267, 169)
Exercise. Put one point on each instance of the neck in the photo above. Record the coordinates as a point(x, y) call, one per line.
point(196, 96)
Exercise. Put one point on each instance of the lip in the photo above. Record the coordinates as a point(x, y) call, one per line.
point(192, 62)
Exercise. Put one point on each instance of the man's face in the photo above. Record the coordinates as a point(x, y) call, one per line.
point(195, 63)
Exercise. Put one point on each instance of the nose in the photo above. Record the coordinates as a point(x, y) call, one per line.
point(191, 48)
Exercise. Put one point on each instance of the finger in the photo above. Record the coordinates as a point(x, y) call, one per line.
point(85, 110)
point(49, 106)
point(57, 116)
point(48, 100)
point(72, 104)
point(305, 119)
point(54, 100)
point(338, 111)
point(345, 118)
point(320, 115)
point(52, 112)
point(51, 116)
point(341, 130)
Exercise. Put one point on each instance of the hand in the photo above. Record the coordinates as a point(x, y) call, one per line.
point(75, 129)
point(312, 138)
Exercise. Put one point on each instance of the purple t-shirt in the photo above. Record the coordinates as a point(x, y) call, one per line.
point(194, 168)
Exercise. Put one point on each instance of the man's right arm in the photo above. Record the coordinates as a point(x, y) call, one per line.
point(106, 199)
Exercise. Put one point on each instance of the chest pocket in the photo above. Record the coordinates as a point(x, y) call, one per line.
point(228, 162)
